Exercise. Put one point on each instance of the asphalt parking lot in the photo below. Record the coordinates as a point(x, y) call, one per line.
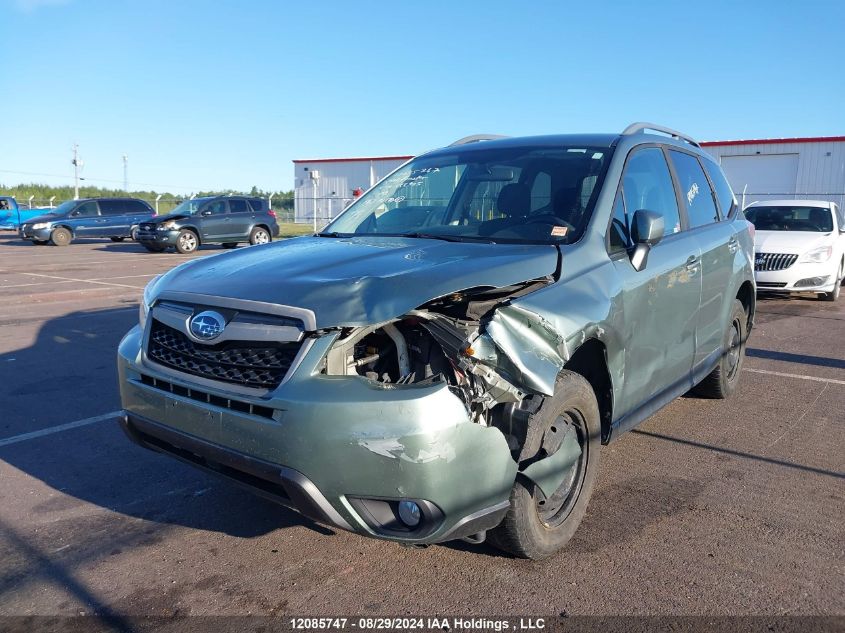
point(710, 507)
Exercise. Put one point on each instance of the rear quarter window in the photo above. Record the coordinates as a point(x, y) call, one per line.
point(724, 194)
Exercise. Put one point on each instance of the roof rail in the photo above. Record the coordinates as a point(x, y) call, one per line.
point(475, 138)
point(641, 127)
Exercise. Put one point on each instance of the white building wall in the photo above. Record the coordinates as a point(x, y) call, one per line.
point(819, 175)
point(334, 187)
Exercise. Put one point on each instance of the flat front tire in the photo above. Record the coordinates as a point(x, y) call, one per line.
point(723, 380)
point(537, 526)
point(61, 237)
point(187, 242)
point(259, 235)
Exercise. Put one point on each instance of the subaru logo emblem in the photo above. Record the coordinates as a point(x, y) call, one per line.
point(207, 325)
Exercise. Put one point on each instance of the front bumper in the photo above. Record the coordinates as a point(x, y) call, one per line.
point(339, 439)
point(28, 233)
point(790, 279)
point(158, 237)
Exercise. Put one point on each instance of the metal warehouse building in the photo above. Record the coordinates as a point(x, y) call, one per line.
point(758, 169)
point(325, 186)
point(765, 169)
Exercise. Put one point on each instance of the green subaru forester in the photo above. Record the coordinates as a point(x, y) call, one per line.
point(445, 359)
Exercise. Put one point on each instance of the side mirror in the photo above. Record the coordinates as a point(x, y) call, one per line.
point(74, 214)
point(646, 231)
point(206, 213)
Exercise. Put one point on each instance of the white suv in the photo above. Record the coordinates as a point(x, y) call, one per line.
point(799, 246)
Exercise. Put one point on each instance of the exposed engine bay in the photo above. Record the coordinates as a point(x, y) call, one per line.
point(498, 359)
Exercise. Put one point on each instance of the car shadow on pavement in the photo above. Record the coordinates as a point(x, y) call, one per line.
point(68, 374)
point(804, 359)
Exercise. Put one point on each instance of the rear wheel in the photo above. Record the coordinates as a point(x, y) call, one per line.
point(133, 233)
point(259, 235)
point(723, 380)
point(153, 248)
point(229, 244)
point(837, 287)
point(61, 237)
point(536, 526)
point(187, 242)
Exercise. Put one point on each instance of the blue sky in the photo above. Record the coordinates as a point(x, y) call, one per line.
point(211, 95)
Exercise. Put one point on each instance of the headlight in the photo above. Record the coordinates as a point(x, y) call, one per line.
point(817, 255)
point(167, 226)
point(146, 301)
point(40, 225)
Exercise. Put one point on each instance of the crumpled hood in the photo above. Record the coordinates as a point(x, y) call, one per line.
point(164, 218)
point(796, 242)
point(361, 280)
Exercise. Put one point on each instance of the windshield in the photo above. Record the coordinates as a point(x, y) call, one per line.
point(189, 207)
point(511, 195)
point(812, 219)
point(63, 208)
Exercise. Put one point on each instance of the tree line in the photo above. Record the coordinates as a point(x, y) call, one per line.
point(42, 194)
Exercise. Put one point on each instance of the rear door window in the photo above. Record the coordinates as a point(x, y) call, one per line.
point(257, 205)
point(695, 190)
point(236, 205)
point(647, 185)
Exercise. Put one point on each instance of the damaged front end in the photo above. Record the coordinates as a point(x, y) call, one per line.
point(499, 359)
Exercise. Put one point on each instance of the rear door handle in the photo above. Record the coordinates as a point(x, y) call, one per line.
point(733, 245)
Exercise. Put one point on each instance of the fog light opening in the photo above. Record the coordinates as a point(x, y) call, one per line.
point(410, 513)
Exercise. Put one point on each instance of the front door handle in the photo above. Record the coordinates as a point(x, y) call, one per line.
point(692, 264)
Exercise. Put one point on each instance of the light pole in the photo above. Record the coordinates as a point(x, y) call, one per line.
point(51, 201)
point(315, 179)
point(158, 197)
point(125, 173)
point(76, 165)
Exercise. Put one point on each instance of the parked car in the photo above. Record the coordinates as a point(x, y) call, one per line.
point(12, 214)
point(115, 218)
point(445, 359)
point(799, 246)
point(226, 220)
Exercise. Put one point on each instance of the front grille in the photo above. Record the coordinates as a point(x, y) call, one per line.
point(771, 284)
point(773, 261)
point(261, 365)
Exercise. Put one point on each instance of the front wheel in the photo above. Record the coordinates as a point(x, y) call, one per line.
point(187, 242)
point(61, 237)
point(536, 526)
point(723, 380)
point(837, 286)
point(259, 235)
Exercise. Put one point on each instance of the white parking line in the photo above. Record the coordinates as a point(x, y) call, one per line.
point(799, 376)
point(57, 429)
point(83, 281)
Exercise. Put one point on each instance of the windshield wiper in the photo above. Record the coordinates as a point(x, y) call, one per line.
point(334, 234)
point(448, 238)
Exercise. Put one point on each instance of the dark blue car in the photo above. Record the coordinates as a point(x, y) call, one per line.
point(115, 218)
